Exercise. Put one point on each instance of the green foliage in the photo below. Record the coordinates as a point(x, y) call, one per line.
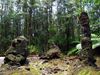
point(58, 25)
point(96, 29)
point(52, 30)
point(88, 71)
point(33, 71)
point(55, 36)
point(58, 39)
point(4, 43)
point(33, 49)
point(72, 51)
point(95, 42)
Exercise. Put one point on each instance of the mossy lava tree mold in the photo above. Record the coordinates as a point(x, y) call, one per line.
point(86, 53)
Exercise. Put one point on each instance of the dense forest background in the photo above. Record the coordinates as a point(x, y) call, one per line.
point(46, 22)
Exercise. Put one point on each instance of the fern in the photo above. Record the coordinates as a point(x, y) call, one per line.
point(73, 51)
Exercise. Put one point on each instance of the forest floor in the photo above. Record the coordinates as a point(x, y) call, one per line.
point(61, 66)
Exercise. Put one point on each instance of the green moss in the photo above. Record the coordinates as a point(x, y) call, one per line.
point(34, 70)
point(15, 74)
point(88, 71)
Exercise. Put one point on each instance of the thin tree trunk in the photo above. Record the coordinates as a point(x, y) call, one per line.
point(30, 26)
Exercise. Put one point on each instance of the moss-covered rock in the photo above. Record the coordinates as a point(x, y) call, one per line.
point(53, 53)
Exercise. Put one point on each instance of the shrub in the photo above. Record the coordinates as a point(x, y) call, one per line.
point(33, 49)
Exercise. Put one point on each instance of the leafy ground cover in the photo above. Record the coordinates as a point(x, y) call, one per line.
point(62, 66)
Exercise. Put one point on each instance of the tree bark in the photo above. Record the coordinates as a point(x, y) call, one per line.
point(30, 25)
point(86, 53)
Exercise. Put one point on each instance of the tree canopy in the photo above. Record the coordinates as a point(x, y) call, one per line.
point(45, 22)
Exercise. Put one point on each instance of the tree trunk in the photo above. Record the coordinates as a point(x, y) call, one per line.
point(86, 53)
point(30, 26)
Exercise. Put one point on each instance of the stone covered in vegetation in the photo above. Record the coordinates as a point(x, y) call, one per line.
point(17, 52)
point(86, 53)
point(52, 53)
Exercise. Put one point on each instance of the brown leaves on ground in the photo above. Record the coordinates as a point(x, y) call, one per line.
point(61, 66)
